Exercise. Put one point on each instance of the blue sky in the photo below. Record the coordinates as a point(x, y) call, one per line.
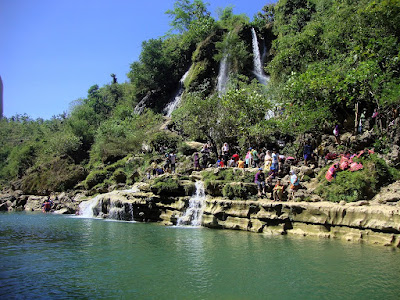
point(53, 51)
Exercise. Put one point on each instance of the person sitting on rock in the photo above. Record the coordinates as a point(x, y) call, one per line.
point(331, 173)
point(240, 163)
point(231, 163)
point(277, 191)
point(271, 175)
point(220, 162)
point(235, 157)
point(259, 179)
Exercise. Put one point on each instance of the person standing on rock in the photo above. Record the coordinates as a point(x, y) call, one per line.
point(255, 157)
point(196, 162)
point(259, 179)
point(167, 163)
point(225, 153)
point(294, 183)
point(267, 160)
point(172, 160)
point(275, 160)
point(205, 153)
point(307, 152)
point(249, 158)
point(336, 133)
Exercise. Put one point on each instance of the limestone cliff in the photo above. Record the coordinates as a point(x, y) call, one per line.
point(374, 222)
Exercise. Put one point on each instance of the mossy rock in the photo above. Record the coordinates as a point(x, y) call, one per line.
point(119, 176)
point(167, 186)
point(117, 165)
point(239, 190)
point(214, 187)
point(94, 178)
point(230, 175)
point(189, 187)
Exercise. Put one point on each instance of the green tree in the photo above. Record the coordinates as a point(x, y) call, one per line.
point(185, 12)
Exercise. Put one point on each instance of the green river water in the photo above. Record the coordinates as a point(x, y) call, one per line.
point(45, 256)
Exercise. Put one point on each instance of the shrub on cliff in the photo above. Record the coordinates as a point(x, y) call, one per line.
point(119, 176)
point(235, 190)
point(59, 174)
point(94, 178)
point(229, 175)
point(359, 185)
point(167, 186)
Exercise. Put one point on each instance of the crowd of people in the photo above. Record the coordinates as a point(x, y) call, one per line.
point(275, 165)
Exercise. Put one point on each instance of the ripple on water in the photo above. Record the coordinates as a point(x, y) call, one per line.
point(87, 258)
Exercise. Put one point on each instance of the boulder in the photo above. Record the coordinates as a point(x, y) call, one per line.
point(393, 157)
point(390, 193)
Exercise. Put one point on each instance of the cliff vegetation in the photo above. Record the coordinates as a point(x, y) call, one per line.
point(327, 62)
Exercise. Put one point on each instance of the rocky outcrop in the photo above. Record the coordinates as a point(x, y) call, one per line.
point(374, 222)
point(390, 193)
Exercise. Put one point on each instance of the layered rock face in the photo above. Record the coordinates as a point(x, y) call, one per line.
point(374, 222)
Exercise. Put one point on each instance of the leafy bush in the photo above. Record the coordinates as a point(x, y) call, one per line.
point(167, 186)
point(164, 140)
point(232, 191)
point(185, 149)
point(119, 176)
point(56, 175)
point(229, 175)
point(359, 185)
point(94, 178)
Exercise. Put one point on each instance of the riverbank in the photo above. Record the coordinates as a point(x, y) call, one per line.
point(372, 222)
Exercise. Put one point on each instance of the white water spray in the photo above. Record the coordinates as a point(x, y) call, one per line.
point(194, 212)
point(223, 75)
point(87, 208)
point(257, 60)
point(177, 98)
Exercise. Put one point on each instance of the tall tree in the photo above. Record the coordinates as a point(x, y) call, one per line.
point(185, 12)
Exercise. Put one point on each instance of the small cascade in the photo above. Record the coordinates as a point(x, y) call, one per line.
point(194, 212)
point(223, 75)
point(177, 98)
point(103, 206)
point(86, 207)
point(257, 60)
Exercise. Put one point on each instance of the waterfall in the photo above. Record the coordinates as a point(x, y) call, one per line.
point(194, 212)
point(86, 207)
point(223, 75)
point(118, 210)
point(257, 60)
point(177, 98)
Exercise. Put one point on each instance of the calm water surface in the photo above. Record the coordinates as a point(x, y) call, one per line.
point(45, 256)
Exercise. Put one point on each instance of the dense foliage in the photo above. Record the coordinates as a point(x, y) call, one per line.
point(329, 61)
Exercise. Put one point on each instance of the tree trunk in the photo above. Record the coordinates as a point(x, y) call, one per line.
point(356, 118)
